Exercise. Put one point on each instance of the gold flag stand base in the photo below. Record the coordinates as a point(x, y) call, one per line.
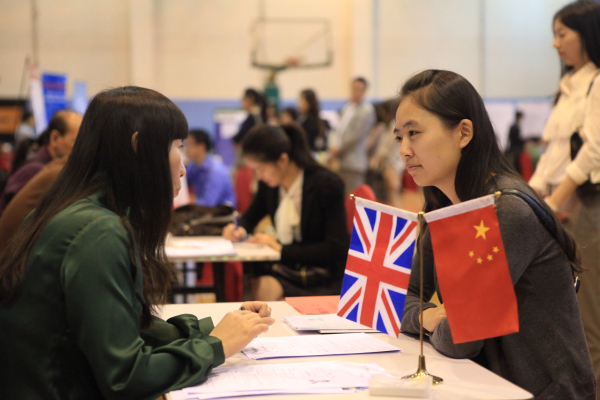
point(422, 371)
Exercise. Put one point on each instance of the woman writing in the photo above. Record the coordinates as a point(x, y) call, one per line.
point(79, 281)
point(306, 203)
point(577, 39)
point(448, 145)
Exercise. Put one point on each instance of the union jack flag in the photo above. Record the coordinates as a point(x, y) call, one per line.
point(378, 266)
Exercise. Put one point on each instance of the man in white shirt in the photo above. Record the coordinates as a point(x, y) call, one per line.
point(348, 143)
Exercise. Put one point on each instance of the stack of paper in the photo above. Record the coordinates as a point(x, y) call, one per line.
point(294, 378)
point(179, 247)
point(315, 345)
point(328, 323)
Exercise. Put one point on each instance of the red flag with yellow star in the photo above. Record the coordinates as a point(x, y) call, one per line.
point(472, 270)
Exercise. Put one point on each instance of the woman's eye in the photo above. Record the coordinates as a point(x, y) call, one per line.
point(412, 133)
point(398, 139)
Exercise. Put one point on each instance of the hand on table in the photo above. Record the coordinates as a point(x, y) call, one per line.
point(432, 317)
point(238, 328)
point(267, 240)
point(230, 232)
point(259, 307)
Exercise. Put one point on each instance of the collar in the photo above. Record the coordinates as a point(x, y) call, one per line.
point(580, 80)
point(296, 185)
point(99, 198)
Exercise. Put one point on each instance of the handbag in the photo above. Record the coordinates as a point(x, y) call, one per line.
point(197, 220)
point(576, 141)
point(302, 275)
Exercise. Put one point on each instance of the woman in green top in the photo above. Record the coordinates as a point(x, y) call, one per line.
point(79, 281)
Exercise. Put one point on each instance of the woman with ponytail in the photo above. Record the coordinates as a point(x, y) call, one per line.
point(306, 204)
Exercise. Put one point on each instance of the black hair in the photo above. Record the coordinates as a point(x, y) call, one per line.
point(267, 143)
point(452, 98)
point(201, 136)
point(133, 173)
point(361, 80)
point(26, 115)
point(583, 17)
point(518, 114)
point(57, 122)
point(258, 99)
point(292, 111)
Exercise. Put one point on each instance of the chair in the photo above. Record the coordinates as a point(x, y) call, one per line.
point(364, 191)
point(242, 186)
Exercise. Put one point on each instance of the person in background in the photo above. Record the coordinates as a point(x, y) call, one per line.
point(26, 129)
point(449, 146)
point(558, 176)
point(306, 203)
point(206, 174)
point(515, 142)
point(254, 103)
point(55, 142)
point(81, 280)
point(311, 121)
point(289, 115)
point(348, 144)
point(385, 163)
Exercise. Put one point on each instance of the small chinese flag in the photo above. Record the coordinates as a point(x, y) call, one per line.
point(472, 270)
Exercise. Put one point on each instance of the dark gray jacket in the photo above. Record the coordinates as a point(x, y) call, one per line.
point(548, 356)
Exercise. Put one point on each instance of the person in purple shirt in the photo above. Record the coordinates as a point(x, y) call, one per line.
point(206, 173)
point(55, 142)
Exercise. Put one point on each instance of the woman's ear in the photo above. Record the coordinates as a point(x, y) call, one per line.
point(466, 132)
point(134, 141)
point(283, 161)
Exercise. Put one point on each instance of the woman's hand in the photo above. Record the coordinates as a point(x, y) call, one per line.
point(238, 328)
point(267, 240)
point(230, 232)
point(432, 317)
point(259, 307)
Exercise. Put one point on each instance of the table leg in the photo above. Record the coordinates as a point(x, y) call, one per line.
point(219, 281)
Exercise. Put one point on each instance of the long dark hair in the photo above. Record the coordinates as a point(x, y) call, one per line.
point(583, 17)
point(452, 98)
point(313, 108)
point(139, 180)
point(267, 143)
point(259, 100)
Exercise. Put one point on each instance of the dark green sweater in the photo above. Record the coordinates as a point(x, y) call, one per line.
point(74, 330)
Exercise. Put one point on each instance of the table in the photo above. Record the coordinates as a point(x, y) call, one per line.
point(245, 253)
point(463, 379)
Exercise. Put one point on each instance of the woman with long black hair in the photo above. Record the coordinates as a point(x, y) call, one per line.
point(80, 280)
point(311, 121)
point(306, 204)
point(448, 145)
point(571, 178)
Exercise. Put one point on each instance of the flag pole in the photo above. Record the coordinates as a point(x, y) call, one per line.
point(421, 370)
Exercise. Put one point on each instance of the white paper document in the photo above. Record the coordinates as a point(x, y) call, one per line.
point(178, 247)
point(315, 345)
point(327, 323)
point(294, 378)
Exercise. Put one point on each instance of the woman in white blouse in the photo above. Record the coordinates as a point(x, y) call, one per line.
point(557, 176)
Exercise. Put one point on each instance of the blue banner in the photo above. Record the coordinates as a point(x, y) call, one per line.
point(54, 87)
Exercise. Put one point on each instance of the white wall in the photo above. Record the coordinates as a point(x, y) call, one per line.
point(200, 49)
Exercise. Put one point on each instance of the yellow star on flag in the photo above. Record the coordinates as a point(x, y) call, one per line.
point(495, 250)
point(479, 261)
point(489, 257)
point(471, 254)
point(481, 230)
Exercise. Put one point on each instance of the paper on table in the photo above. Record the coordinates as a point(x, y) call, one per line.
point(324, 322)
point(314, 304)
point(311, 377)
point(187, 247)
point(315, 345)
